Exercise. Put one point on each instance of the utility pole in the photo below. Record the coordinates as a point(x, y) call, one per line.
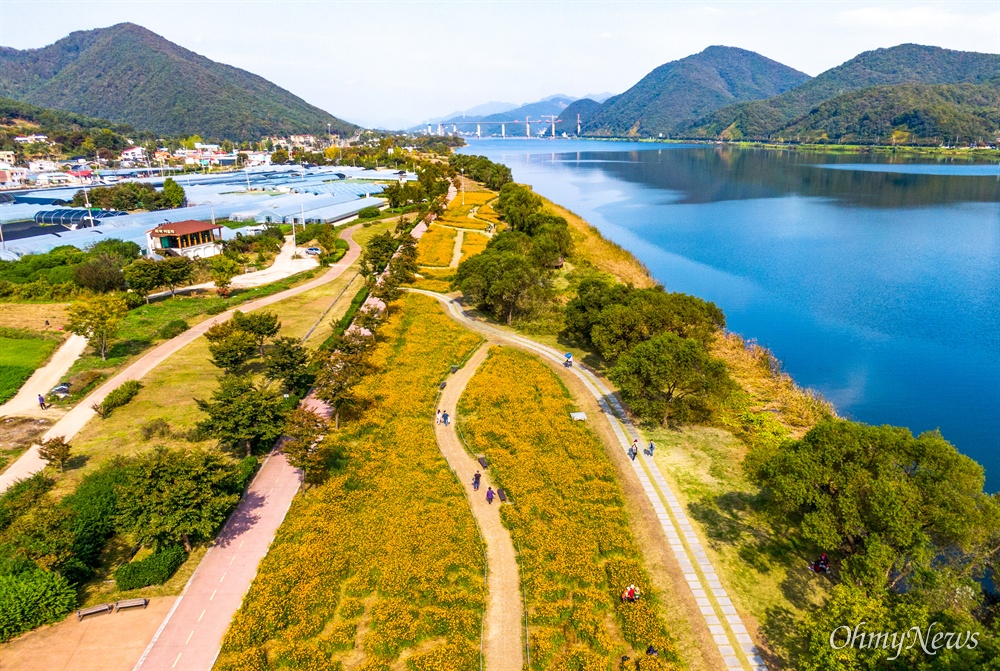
point(463, 186)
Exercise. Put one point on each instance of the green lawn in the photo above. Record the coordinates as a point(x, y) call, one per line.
point(19, 357)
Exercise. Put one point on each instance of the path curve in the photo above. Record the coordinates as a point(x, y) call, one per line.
point(25, 402)
point(728, 631)
point(504, 611)
point(30, 462)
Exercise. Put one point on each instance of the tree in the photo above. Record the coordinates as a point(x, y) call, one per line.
point(502, 283)
point(241, 414)
point(176, 271)
point(386, 289)
point(337, 375)
point(100, 273)
point(287, 360)
point(98, 319)
point(143, 276)
point(303, 444)
point(260, 325)
point(516, 204)
point(232, 351)
point(224, 269)
point(902, 511)
point(377, 253)
point(176, 496)
point(657, 374)
point(55, 451)
point(279, 156)
point(173, 192)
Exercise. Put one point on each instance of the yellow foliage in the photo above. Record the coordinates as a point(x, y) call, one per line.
point(473, 243)
point(568, 517)
point(391, 528)
point(436, 246)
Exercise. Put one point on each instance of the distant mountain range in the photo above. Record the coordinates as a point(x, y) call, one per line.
point(909, 92)
point(494, 113)
point(128, 74)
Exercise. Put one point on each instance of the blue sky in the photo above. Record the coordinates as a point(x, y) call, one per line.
point(395, 63)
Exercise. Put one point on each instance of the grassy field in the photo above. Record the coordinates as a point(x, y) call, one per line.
point(33, 315)
point(576, 550)
point(384, 559)
point(436, 246)
point(20, 356)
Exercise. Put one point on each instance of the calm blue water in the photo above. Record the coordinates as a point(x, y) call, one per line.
point(876, 284)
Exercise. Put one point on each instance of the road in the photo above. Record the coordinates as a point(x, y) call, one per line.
point(30, 462)
point(25, 402)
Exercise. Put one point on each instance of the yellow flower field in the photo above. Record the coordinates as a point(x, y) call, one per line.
point(487, 213)
point(383, 562)
point(473, 243)
point(457, 214)
point(567, 517)
point(436, 246)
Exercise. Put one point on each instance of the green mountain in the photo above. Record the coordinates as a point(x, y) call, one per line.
point(69, 131)
point(903, 64)
point(905, 113)
point(128, 74)
point(585, 107)
point(680, 91)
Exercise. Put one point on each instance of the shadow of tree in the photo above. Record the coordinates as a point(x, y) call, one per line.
point(76, 461)
point(242, 520)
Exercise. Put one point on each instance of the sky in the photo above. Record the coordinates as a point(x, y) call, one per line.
point(396, 63)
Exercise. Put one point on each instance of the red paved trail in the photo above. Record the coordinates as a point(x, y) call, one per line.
point(190, 636)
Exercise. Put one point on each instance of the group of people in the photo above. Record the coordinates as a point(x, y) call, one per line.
point(631, 594)
point(477, 479)
point(442, 417)
point(633, 451)
point(821, 565)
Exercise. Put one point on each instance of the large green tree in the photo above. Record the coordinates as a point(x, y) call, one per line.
point(260, 325)
point(176, 271)
point(502, 283)
point(143, 276)
point(303, 444)
point(287, 360)
point(178, 496)
point(660, 375)
point(242, 414)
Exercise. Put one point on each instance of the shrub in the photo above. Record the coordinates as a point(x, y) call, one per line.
point(369, 212)
point(244, 473)
point(117, 398)
point(134, 300)
point(93, 505)
point(155, 569)
point(32, 597)
point(154, 428)
point(173, 329)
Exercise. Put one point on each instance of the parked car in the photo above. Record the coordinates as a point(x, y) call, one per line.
point(61, 391)
point(315, 251)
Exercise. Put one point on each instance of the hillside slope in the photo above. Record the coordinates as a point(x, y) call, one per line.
point(686, 89)
point(904, 113)
point(128, 74)
point(903, 64)
point(585, 108)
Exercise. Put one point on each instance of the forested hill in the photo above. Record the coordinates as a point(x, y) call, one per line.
point(906, 113)
point(73, 133)
point(130, 75)
point(584, 107)
point(680, 91)
point(903, 64)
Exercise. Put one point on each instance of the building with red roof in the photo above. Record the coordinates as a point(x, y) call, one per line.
point(193, 239)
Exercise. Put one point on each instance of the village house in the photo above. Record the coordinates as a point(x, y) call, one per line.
point(193, 239)
point(31, 139)
point(133, 154)
point(7, 159)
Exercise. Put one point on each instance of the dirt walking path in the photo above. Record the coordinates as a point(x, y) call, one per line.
point(504, 611)
point(730, 635)
point(30, 462)
point(25, 402)
point(456, 254)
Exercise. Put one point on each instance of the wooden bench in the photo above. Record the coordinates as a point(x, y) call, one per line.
point(130, 603)
point(94, 610)
point(443, 385)
point(502, 494)
point(454, 369)
point(482, 462)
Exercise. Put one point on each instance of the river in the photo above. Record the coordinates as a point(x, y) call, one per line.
point(875, 283)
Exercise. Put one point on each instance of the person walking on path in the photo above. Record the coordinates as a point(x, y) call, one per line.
point(631, 453)
point(635, 446)
point(651, 446)
point(439, 416)
point(476, 480)
point(489, 495)
point(444, 417)
point(41, 402)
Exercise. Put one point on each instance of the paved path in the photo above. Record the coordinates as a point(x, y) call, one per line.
point(504, 611)
point(191, 634)
point(30, 462)
point(723, 621)
point(456, 254)
point(25, 402)
point(110, 642)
